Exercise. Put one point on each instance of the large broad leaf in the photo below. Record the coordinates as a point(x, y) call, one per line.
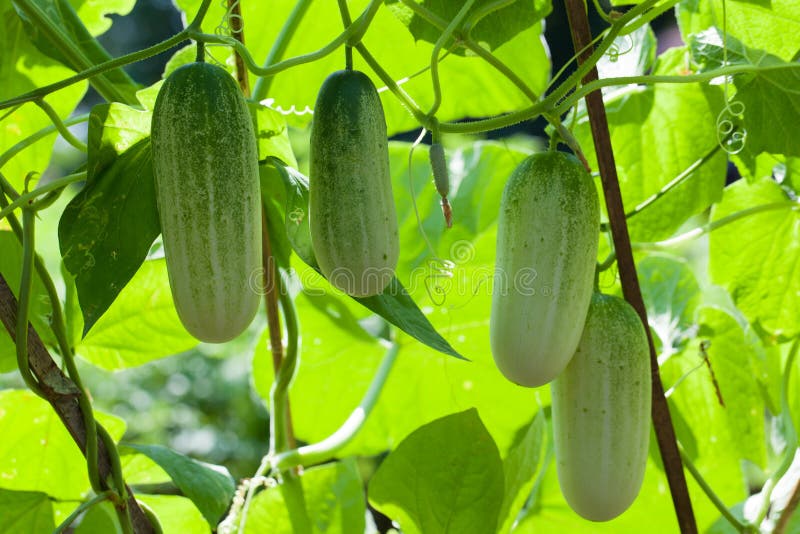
point(339, 357)
point(470, 86)
point(757, 257)
point(445, 477)
point(766, 102)
point(773, 26)
point(497, 28)
point(210, 487)
point(142, 324)
point(58, 31)
point(334, 497)
point(38, 450)
point(26, 511)
point(24, 68)
point(657, 132)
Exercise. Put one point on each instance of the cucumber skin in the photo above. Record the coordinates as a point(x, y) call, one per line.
point(547, 236)
point(351, 205)
point(205, 161)
point(601, 412)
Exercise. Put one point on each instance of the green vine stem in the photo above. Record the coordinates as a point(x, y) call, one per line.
point(83, 507)
point(347, 22)
point(327, 448)
point(485, 10)
point(31, 139)
point(790, 436)
point(31, 196)
point(279, 47)
point(350, 36)
point(121, 61)
point(443, 38)
point(59, 124)
point(24, 292)
point(719, 223)
point(713, 497)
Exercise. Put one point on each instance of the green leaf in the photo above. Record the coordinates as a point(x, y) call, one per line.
point(334, 497)
point(142, 324)
point(272, 134)
point(772, 26)
point(495, 29)
point(40, 309)
point(757, 258)
point(671, 295)
point(741, 370)
point(520, 465)
point(57, 31)
point(210, 487)
point(107, 229)
point(445, 477)
point(657, 132)
point(22, 69)
point(37, 449)
point(471, 86)
point(26, 511)
point(766, 102)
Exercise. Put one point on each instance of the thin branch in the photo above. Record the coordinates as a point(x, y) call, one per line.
point(665, 433)
point(236, 22)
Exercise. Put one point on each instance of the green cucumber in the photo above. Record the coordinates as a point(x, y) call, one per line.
point(351, 206)
point(546, 253)
point(205, 161)
point(601, 412)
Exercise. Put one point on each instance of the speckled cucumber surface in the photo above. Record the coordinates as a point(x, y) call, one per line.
point(205, 161)
point(351, 205)
point(547, 236)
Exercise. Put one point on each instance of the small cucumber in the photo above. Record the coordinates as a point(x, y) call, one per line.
point(205, 161)
point(351, 206)
point(546, 252)
point(601, 412)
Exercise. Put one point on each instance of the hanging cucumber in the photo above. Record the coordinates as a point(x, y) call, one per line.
point(546, 252)
point(351, 206)
point(601, 412)
point(205, 161)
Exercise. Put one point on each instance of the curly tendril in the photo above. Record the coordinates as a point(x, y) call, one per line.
point(618, 48)
point(226, 25)
point(731, 134)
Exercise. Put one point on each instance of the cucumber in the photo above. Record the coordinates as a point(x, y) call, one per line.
point(601, 412)
point(205, 162)
point(351, 206)
point(546, 252)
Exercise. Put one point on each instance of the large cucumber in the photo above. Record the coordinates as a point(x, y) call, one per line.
point(205, 161)
point(546, 253)
point(601, 412)
point(351, 206)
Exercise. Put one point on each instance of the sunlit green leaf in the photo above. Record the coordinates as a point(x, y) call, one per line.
point(522, 462)
point(141, 325)
point(26, 511)
point(757, 258)
point(210, 487)
point(444, 477)
point(38, 450)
